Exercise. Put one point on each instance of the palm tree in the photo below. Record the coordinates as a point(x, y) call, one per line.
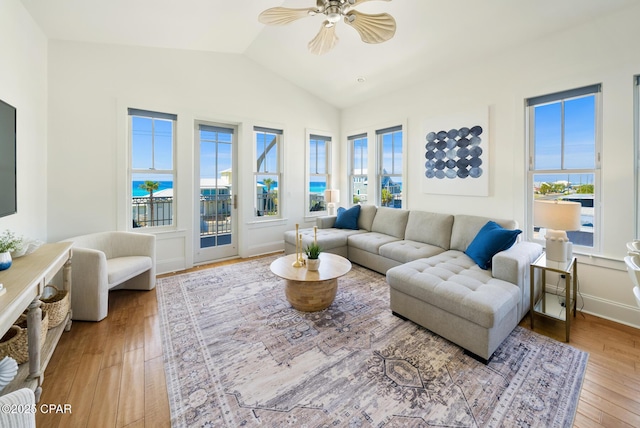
point(150, 186)
point(268, 182)
point(387, 197)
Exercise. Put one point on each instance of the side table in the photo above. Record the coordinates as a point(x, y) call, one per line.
point(539, 304)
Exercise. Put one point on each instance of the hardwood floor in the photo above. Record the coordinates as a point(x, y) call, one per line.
point(112, 373)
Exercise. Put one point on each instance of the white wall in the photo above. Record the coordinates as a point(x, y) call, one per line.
point(90, 87)
point(604, 51)
point(23, 84)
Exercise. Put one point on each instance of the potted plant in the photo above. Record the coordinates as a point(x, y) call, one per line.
point(8, 243)
point(313, 256)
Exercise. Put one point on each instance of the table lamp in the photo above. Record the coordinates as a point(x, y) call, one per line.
point(557, 217)
point(331, 197)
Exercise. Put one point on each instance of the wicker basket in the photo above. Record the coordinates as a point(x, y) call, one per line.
point(15, 342)
point(57, 306)
point(22, 323)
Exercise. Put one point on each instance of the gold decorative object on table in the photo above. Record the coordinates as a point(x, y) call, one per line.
point(297, 262)
point(301, 259)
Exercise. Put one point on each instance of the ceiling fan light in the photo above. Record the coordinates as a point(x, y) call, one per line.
point(333, 17)
point(333, 13)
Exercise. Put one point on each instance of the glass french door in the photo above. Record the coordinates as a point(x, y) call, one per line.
point(216, 200)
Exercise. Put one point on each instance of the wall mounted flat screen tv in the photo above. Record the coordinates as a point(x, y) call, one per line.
point(8, 204)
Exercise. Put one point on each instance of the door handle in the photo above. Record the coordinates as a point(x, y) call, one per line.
point(235, 202)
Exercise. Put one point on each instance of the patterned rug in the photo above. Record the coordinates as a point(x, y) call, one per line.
point(236, 354)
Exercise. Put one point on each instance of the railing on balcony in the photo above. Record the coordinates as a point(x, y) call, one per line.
point(215, 213)
point(316, 202)
point(267, 204)
point(142, 212)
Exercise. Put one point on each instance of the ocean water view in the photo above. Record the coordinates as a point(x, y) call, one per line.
point(572, 178)
point(136, 191)
point(317, 187)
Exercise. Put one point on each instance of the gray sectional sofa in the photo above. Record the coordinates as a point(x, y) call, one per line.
point(432, 281)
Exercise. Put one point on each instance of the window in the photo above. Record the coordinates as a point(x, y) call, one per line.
point(152, 171)
point(358, 172)
point(319, 178)
point(268, 173)
point(390, 173)
point(564, 152)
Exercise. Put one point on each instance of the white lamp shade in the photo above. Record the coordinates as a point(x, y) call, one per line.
point(557, 215)
point(332, 196)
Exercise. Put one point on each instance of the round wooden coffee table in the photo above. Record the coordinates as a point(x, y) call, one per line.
point(311, 291)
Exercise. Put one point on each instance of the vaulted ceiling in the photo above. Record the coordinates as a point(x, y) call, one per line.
point(432, 35)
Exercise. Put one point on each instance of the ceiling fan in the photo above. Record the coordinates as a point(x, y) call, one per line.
point(373, 28)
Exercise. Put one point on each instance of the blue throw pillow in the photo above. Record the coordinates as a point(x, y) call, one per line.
point(348, 219)
point(489, 241)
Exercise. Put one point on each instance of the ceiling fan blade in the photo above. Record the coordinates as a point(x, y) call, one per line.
point(283, 15)
point(372, 28)
point(357, 2)
point(325, 40)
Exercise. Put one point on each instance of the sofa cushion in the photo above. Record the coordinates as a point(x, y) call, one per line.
point(367, 214)
point(405, 251)
point(454, 283)
point(489, 241)
point(328, 239)
point(325, 222)
point(370, 241)
point(347, 218)
point(466, 227)
point(390, 221)
point(430, 228)
point(120, 269)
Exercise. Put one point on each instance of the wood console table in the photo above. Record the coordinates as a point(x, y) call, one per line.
point(25, 281)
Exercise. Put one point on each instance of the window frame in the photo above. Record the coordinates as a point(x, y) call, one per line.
point(364, 166)
point(279, 143)
point(131, 170)
point(636, 138)
point(564, 96)
point(380, 133)
point(313, 135)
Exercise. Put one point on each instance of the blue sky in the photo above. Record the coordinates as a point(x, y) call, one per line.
point(360, 156)
point(579, 135)
point(208, 149)
point(392, 152)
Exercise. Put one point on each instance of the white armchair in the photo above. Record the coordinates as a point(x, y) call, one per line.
point(106, 261)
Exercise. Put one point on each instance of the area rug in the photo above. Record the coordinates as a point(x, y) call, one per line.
point(236, 354)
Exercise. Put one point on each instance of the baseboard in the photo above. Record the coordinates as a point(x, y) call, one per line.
point(612, 311)
point(268, 248)
point(170, 265)
point(603, 308)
